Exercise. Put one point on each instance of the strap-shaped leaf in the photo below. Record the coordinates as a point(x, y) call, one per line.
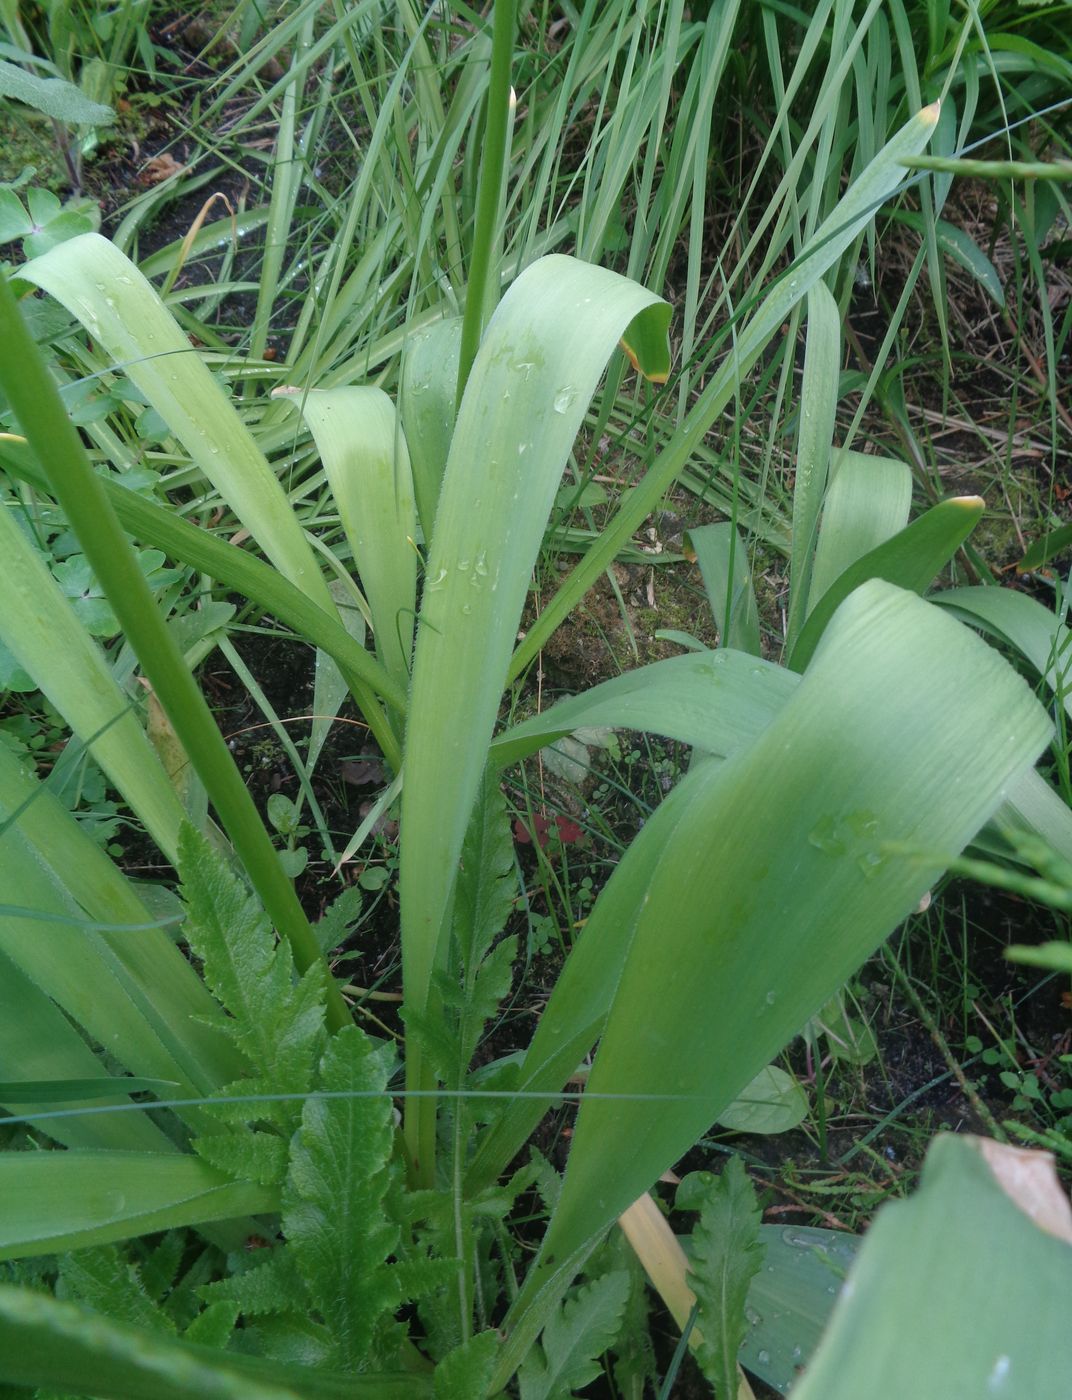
point(815, 432)
point(54, 1201)
point(542, 356)
point(822, 250)
point(121, 310)
point(1034, 630)
point(367, 463)
point(427, 401)
point(792, 866)
point(70, 1349)
point(866, 503)
point(41, 1054)
point(134, 993)
point(40, 627)
point(713, 700)
point(911, 559)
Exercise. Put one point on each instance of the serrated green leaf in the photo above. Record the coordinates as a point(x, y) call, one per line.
point(277, 1023)
point(338, 919)
point(213, 1326)
point(574, 1338)
point(105, 1281)
point(246, 1156)
point(340, 1172)
point(727, 1256)
point(465, 1373)
point(271, 1286)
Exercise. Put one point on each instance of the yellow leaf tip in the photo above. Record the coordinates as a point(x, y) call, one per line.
point(931, 113)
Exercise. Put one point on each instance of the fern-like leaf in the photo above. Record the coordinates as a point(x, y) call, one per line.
point(275, 1022)
point(272, 1285)
point(104, 1280)
point(573, 1340)
point(334, 1216)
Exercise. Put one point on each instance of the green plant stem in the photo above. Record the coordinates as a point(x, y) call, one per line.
point(489, 190)
point(80, 493)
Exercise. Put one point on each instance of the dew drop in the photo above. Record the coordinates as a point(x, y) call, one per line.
point(763, 1357)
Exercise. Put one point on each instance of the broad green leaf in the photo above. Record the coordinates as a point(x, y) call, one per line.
point(427, 401)
point(67, 1348)
point(364, 455)
point(787, 873)
point(329, 684)
point(14, 220)
point(574, 1339)
point(56, 98)
point(713, 700)
point(792, 1297)
point(925, 1272)
point(726, 1256)
point(866, 504)
point(1032, 805)
point(723, 560)
point(333, 1214)
point(54, 1201)
point(40, 628)
point(485, 893)
point(815, 434)
point(772, 1103)
point(124, 314)
point(542, 355)
point(1023, 623)
point(911, 559)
